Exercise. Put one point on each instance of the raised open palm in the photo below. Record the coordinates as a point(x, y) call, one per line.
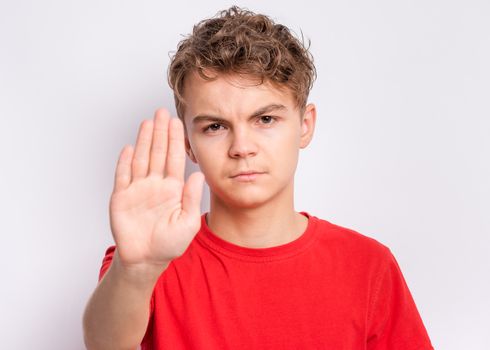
point(154, 215)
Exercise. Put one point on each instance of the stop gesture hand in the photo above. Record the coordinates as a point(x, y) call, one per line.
point(154, 215)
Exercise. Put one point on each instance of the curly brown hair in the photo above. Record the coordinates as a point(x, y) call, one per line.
point(239, 41)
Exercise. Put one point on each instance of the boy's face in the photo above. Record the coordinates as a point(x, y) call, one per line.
point(234, 126)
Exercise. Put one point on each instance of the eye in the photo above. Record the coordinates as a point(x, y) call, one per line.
point(212, 127)
point(267, 119)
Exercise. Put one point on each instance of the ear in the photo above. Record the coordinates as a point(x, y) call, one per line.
point(188, 150)
point(307, 125)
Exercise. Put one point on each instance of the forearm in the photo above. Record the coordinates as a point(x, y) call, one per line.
point(116, 316)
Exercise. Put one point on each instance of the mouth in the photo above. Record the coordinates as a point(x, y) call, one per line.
point(247, 176)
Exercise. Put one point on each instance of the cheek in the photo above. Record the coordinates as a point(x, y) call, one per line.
point(210, 159)
point(285, 153)
point(281, 144)
point(204, 148)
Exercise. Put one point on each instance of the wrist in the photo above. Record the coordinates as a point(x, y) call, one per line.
point(140, 274)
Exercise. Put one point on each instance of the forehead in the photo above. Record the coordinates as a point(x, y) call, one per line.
point(232, 94)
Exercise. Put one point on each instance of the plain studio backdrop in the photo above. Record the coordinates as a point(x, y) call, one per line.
point(400, 152)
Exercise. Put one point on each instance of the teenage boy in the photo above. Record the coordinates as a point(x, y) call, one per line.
point(252, 273)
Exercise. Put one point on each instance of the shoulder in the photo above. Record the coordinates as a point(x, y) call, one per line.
point(344, 241)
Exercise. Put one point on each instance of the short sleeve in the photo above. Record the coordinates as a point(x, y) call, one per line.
point(393, 320)
point(106, 263)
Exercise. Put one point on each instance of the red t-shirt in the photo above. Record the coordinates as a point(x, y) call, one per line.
point(331, 288)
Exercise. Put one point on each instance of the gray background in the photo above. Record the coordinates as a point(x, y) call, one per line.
point(400, 153)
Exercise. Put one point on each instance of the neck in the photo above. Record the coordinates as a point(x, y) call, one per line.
point(270, 224)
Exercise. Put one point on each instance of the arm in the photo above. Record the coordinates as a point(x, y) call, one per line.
point(154, 216)
point(116, 316)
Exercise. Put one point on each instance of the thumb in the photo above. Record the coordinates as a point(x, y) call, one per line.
point(192, 194)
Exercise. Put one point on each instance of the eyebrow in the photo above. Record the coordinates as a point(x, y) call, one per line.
point(258, 112)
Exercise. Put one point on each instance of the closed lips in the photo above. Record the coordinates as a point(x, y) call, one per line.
point(247, 173)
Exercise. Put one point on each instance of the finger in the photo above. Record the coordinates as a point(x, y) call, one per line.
point(176, 150)
point(159, 143)
point(192, 194)
point(142, 151)
point(123, 169)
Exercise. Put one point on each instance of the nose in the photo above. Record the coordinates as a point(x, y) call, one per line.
point(242, 144)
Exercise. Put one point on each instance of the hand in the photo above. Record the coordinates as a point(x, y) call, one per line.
point(153, 215)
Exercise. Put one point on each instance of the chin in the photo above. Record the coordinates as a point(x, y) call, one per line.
point(246, 198)
point(248, 203)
